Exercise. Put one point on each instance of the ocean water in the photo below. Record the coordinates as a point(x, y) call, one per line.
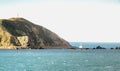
point(95, 44)
point(60, 60)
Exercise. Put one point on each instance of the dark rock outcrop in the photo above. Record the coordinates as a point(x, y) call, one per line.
point(99, 47)
point(118, 47)
point(21, 33)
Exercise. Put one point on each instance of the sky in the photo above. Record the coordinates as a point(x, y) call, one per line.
point(73, 20)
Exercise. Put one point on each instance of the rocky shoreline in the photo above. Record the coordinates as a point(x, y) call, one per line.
point(64, 47)
point(98, 47)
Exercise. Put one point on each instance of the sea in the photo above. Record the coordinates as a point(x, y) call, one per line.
point(62, 59)
point(95, 44)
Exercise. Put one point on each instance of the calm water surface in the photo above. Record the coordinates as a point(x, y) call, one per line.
point(59, 60)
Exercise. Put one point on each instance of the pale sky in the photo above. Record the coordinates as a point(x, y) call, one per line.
point(73, 20)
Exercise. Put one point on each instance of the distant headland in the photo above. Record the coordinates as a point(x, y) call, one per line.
point(19, 33)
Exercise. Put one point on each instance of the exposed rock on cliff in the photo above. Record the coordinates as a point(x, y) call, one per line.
point(21, 33)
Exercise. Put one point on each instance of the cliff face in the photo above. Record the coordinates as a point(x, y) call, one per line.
point(21, 33)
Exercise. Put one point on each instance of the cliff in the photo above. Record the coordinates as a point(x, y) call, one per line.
point(21, 33)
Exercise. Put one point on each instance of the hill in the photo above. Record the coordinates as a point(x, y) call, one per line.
point(19, 33)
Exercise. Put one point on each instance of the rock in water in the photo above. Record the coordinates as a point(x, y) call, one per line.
point(20, 33)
